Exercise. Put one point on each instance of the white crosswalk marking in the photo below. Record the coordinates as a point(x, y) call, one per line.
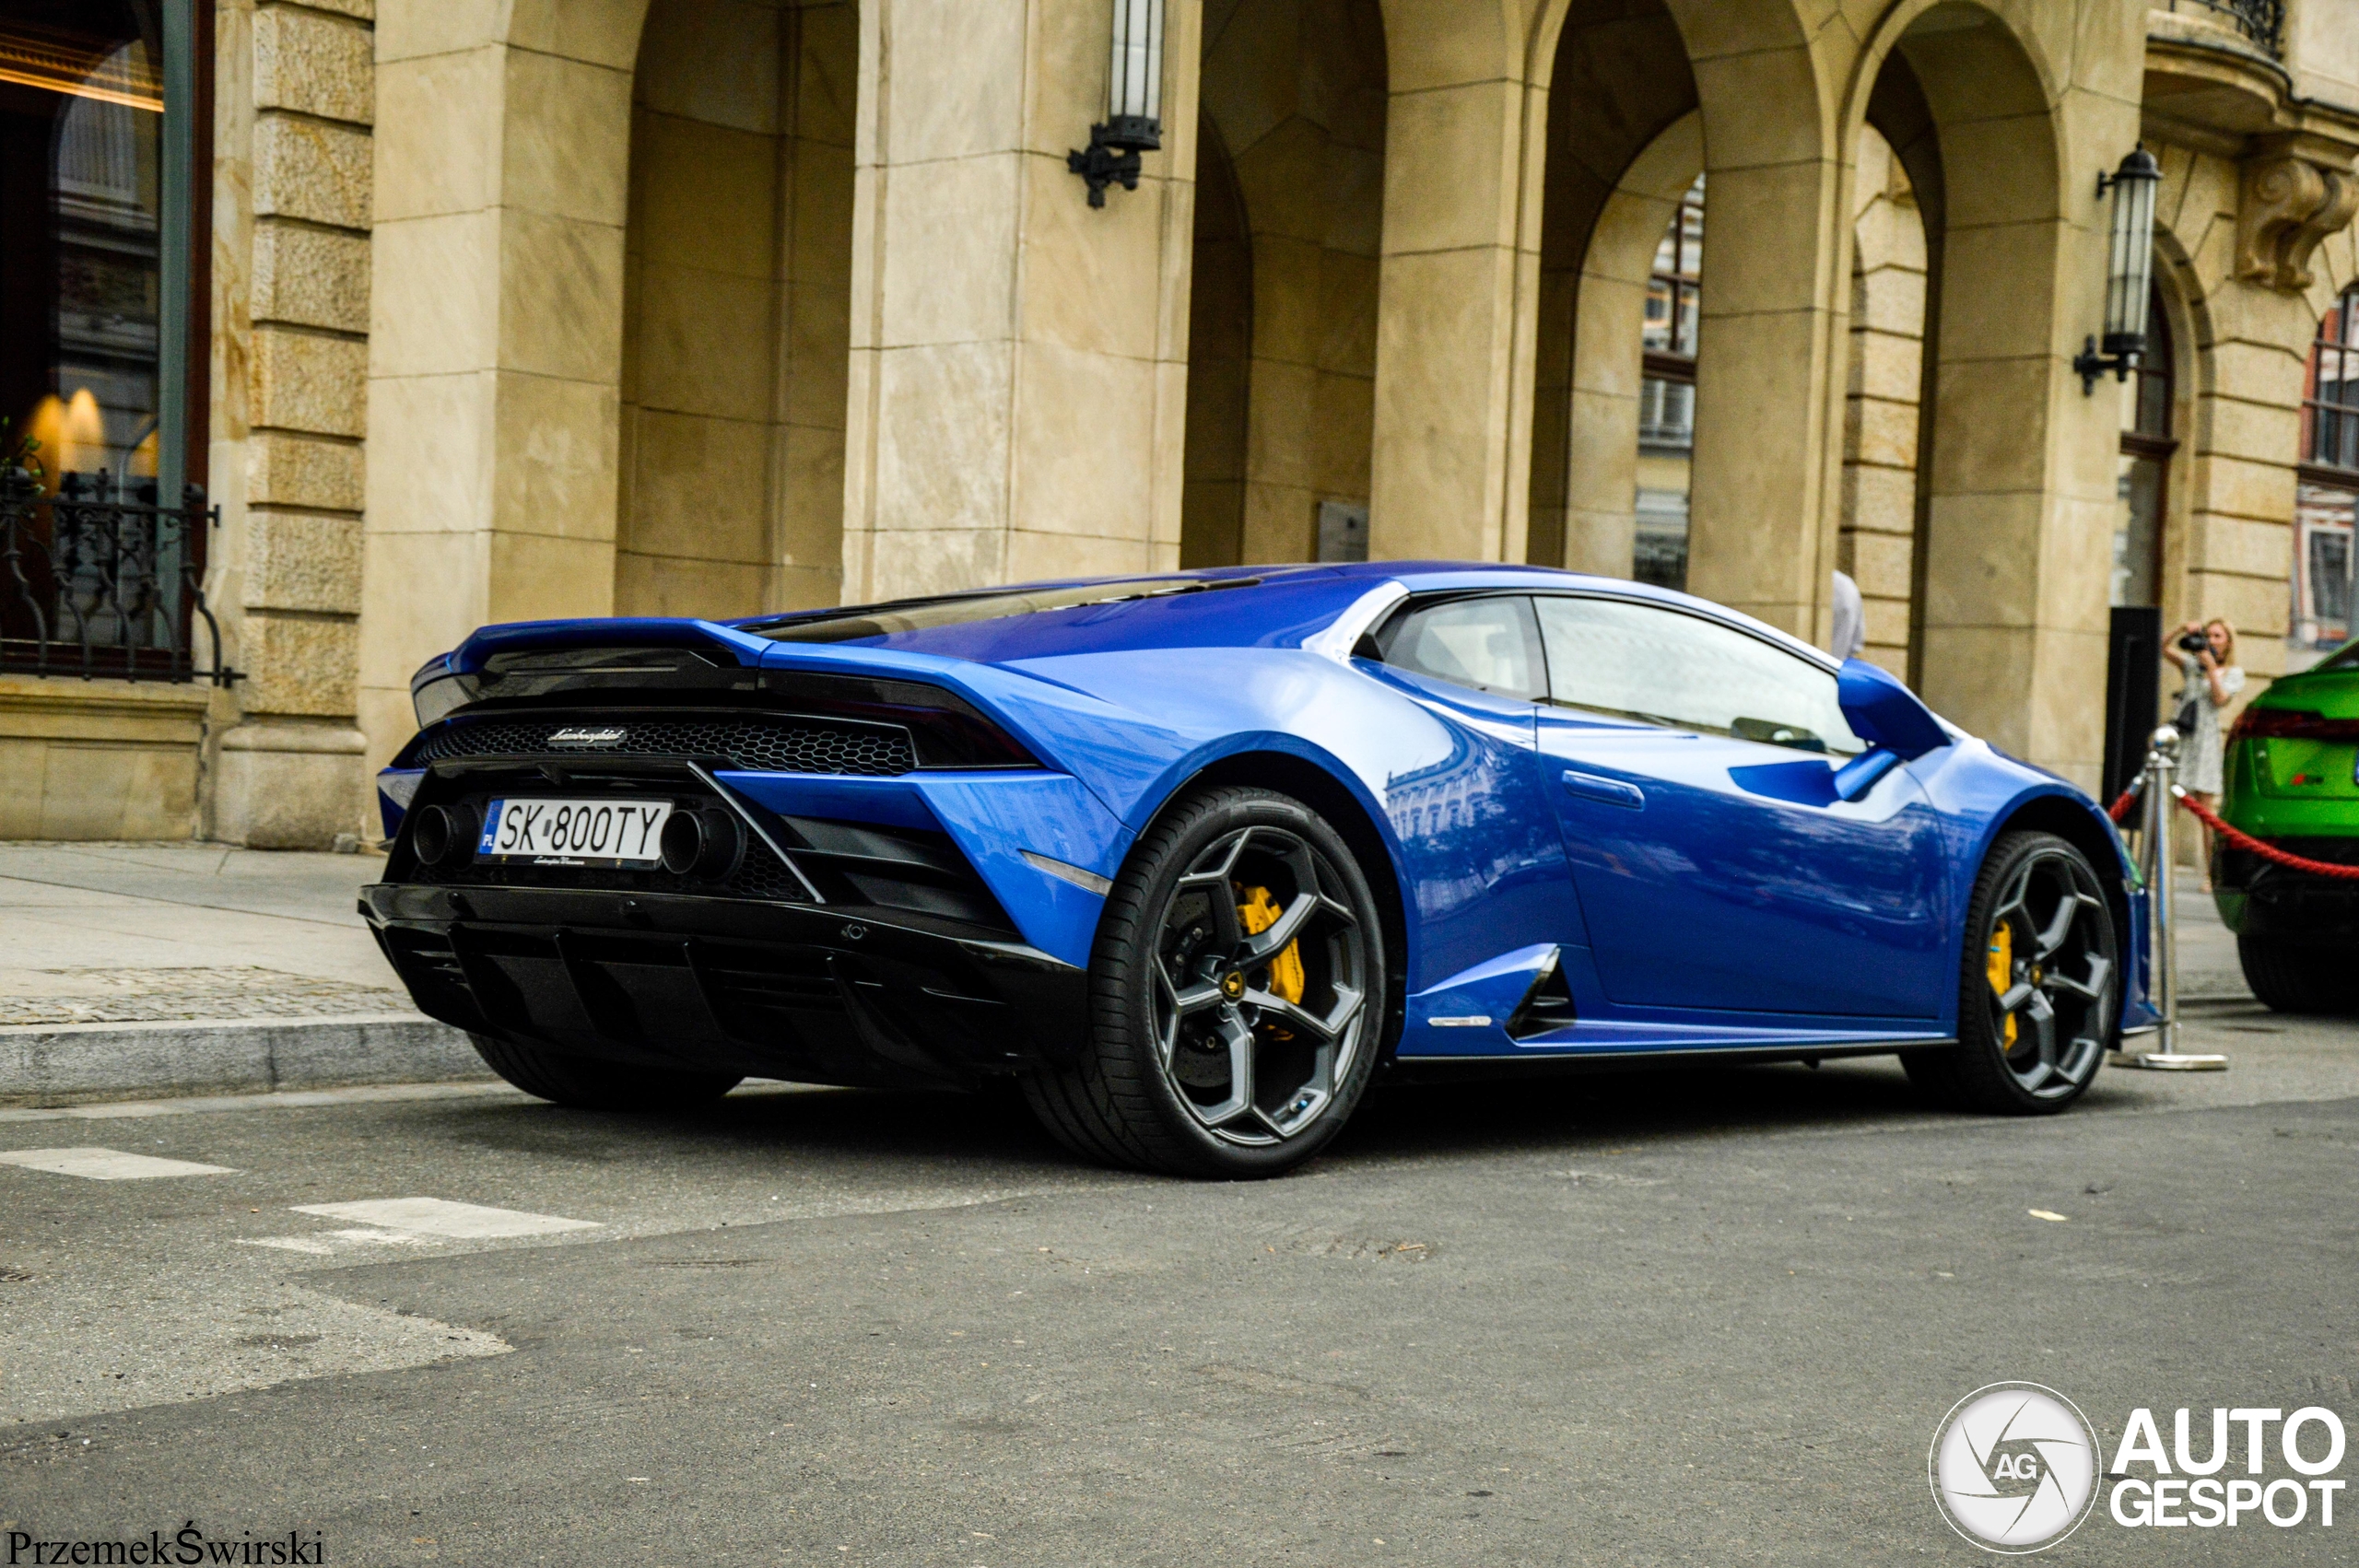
point(106, 1164)
point(334, 1242)
point(380, 1238)
point(440, 1217)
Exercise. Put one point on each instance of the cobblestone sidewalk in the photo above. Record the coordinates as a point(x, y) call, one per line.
point(128, 934)
point(179, 995)
point(149, 971)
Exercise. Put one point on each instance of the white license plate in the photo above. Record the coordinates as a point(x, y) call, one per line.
point(575, 833)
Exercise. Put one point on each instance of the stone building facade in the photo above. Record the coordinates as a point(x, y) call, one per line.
point(513, 308)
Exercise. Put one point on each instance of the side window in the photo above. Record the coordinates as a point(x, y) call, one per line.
point(1639, 662)
point(1489, 644)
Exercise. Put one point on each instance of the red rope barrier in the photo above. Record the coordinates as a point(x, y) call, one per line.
point(2243, 840)
point(2119, 810)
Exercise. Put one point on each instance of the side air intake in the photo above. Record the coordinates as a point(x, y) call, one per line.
point(1548, 1005)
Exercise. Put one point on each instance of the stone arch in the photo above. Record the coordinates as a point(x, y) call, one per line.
point(737, 330)
point(1587, 405)
point(2334, 267)
point(2008, 571)
point(1294, 100)
point(1623, 139)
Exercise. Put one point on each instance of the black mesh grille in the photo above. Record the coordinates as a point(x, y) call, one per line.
point(760, 742)
point(763, 875)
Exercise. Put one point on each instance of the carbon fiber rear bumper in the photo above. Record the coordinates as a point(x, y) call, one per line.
point(818, 994)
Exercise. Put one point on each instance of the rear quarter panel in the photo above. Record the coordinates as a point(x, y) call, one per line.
point(1444, 784)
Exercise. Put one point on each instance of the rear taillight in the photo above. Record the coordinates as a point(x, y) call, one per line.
point(2292, 724)
point(947, 729)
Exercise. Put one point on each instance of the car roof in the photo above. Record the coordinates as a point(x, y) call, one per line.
point(1273, 606)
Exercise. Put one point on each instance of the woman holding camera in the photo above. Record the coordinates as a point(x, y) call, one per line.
point(2204, 649)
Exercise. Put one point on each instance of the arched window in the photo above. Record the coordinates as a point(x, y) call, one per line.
point(2326, 496)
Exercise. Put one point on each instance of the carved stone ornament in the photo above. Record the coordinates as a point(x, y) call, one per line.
point(2287, 206)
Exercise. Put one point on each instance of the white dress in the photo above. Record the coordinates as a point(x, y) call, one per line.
point(2199, 754)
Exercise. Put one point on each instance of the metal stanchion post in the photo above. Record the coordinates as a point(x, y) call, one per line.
point(2162, 923)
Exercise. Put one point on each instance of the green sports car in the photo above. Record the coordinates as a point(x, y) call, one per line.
point(2293, 781)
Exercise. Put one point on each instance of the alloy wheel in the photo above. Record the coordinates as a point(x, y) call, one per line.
point(2052, 972)
point(1260, 986)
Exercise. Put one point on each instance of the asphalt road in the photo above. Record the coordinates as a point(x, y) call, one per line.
point(1704, 1317)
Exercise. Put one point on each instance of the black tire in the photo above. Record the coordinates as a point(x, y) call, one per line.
point(1179, 908)
point(2294, 977)
point(589, 1084)
point(2033, 1048)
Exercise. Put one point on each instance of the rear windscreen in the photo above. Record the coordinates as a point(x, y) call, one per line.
point(919, 615)
point(2345, 659)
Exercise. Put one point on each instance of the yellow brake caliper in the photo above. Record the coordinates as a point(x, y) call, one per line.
point(1258, 914)
point(2003, 970)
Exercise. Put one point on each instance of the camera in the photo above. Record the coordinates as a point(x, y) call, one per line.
point(2194, 642)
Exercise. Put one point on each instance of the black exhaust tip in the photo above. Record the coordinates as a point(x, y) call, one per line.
point(700, 844)
point(442, 834)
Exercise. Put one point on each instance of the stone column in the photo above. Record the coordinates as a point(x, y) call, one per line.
point(503, 141)
point(1760, 533)
point(1018, 359)
point(1457, 305)
point(2023, 498)
point(290, 299)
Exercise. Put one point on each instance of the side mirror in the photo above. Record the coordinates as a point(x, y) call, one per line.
point(1887, 714)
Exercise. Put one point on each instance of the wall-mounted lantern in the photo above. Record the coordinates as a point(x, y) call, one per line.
point(2130, 271)
point(1133, 122)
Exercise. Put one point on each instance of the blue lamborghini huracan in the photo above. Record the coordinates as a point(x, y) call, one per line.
point(1192, 857)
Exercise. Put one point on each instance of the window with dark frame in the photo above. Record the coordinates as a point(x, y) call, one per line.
point(2147, 444)
point(1675, 292)
point(2325, 501)
point(105, 158)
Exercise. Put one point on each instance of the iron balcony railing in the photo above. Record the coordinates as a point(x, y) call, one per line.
point(100, 581)
point(2262, 21)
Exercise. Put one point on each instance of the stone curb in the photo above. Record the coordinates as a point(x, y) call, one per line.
point(46, 1065)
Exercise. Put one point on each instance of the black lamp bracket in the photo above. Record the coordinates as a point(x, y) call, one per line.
point(1113, 154)
point(2090, 365)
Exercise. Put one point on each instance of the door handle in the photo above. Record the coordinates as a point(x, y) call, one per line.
point(1608, 791)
